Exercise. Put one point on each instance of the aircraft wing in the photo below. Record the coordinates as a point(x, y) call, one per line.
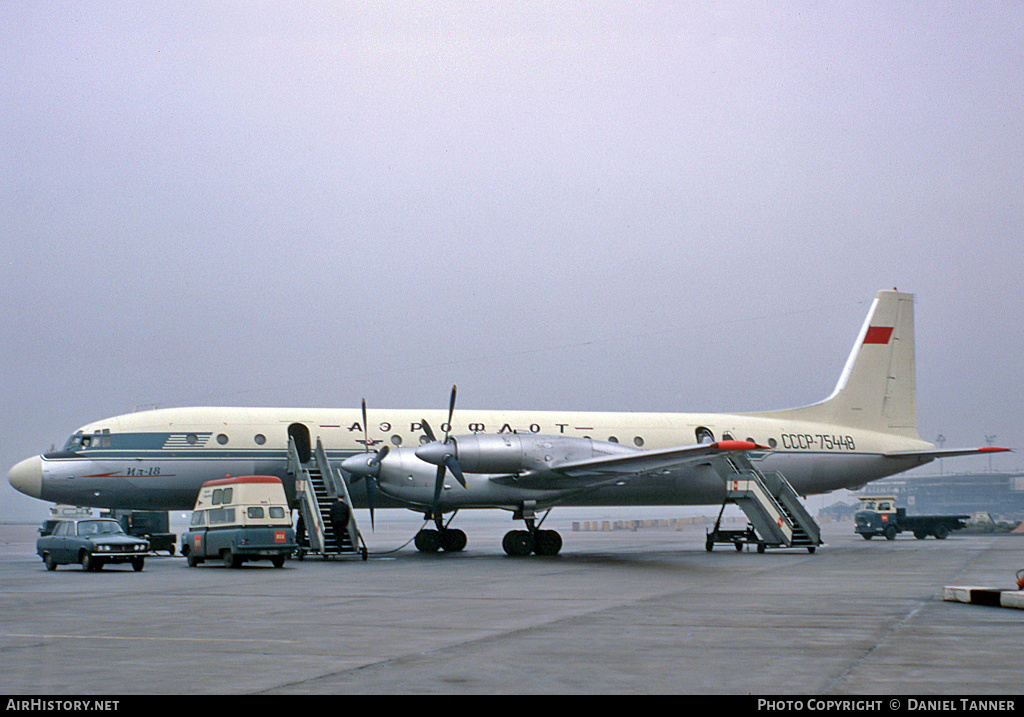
point(595, 472)
point(945, 452)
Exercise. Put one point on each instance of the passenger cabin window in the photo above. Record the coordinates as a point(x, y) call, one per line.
point(255, 512)
point(198, 518)
point(219, 516)
point(276, 511)
point(221, 495)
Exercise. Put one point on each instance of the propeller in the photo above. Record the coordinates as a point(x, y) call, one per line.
point(442, 453)
point(366, 466)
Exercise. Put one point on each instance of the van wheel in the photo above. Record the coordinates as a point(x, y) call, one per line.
point(231, 560)
point(277, 561)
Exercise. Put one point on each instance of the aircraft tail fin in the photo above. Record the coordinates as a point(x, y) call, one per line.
point(877, 389)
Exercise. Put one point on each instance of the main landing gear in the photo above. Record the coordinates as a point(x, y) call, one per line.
point(450, 540)
point(518, 543)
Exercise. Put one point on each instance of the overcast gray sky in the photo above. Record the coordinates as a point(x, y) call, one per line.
point(597, 206)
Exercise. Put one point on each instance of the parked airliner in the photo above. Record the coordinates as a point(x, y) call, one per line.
point(520, 461)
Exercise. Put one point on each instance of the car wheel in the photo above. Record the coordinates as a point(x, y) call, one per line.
point(138, 564)
point(87, 561)
point(49, 562)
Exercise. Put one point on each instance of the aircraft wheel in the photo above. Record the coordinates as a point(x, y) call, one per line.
point(428, 541)
point(547, 542)
point(453, 540)
point(517, 543)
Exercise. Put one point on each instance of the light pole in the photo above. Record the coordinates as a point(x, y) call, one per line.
point(990, 440)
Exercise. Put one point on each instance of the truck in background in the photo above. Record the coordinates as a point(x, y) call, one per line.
point(878, 515)
point(153, 525)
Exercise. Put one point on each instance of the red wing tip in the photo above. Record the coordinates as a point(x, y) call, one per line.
point(734, 445)
point(993, 449)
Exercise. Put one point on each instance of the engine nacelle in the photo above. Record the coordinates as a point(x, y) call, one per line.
point(516, 452)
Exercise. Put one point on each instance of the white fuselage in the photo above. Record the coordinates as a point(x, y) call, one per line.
point(159, 459)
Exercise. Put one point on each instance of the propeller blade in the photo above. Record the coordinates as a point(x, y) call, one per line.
point(366, 428)
point(437, 487)
point(456, 469)
point(381, 455)
point(428, 430)
point(371, 495)
point(451, 412)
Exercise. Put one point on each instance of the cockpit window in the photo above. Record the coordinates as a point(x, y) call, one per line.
point(83, 442)
point(78, 442)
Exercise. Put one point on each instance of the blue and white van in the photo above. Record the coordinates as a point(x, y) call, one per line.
point(240, 519)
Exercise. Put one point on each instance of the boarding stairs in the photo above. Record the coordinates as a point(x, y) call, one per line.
point(777, 517)
point(317, 484)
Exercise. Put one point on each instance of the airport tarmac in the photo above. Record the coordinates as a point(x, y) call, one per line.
point(645, 611)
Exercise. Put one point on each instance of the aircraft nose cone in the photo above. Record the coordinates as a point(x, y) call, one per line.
point(27, 477)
